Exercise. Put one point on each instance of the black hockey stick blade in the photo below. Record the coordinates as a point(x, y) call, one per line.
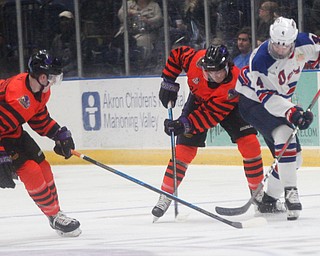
point(243, 209)
point(239, 225)
point(237, 210)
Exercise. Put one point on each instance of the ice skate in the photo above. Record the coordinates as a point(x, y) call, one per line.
point(258, 198)
point(292, 202)
point(65, 226)
point(161, 207)
point(269, 204)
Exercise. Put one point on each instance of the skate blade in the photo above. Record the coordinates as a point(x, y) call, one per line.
point(155, 219)
point(75, 233)
point(293, 215)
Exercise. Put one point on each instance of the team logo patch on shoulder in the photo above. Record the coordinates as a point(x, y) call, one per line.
point(24, 101)
point(232, 93)
point(196, 80)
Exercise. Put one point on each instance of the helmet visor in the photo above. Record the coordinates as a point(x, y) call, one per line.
point(55, 79)
point(216, 76)
point(279, 51)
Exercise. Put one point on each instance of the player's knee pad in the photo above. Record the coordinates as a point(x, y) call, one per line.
point(249, 146)
point(30, 174)
point(281, 134)
point(185, 153)
point(46, 171)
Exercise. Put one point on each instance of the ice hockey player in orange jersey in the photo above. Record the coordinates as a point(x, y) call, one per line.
point(211, 76)
point(23, 99)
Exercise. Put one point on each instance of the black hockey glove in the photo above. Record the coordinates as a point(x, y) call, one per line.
point(299, 118)
point(6, 171)
point(64, 142)
point(180, 126)
point(168, 92)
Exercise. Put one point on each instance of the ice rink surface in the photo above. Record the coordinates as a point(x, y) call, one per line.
point(116, 220)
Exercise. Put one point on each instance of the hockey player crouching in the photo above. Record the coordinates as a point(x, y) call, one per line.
point(23, 99)
point(211, 76)
point(266, 88)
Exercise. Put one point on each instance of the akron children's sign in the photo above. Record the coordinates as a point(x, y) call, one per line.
point(126, 113)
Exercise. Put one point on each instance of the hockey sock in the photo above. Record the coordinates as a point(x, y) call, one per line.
point(287, 163)
point(250, 150)
point(31, 175)
point(48, 176)
point(274, 186)
point(184, 156)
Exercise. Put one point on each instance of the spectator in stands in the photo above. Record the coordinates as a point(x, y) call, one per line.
point(315, 17)
point(194, 18)
point(64, 44)
point(49, 24)
point(244, 46)
point(99, 23)
point(266, 17)
point(5, 62)
point(177, 27)
point(144, 20)
point(229, 21)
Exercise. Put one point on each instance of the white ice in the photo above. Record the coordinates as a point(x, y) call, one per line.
point(116, 220)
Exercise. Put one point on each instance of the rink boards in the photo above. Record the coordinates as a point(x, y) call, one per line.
point(120, 121)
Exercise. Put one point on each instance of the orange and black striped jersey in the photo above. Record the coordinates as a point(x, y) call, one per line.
point(215, 103)
point(19, 105)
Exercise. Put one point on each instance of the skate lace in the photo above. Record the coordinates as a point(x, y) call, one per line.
point(259, 196)
point(62, 219)
point(280, 206)
point(163, 202)
point(292, 196)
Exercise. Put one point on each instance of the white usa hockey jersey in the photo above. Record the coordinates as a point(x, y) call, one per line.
point(273, 82)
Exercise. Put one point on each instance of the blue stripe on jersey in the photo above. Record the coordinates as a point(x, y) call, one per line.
point(303, 39)
point(262, 59)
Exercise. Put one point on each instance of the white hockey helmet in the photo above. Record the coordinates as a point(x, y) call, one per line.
point(283, 33)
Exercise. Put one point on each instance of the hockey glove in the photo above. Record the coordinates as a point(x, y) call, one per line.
point(64, 142)
point(299, 118)
point(6, 171)
point(168, 92)
point(180, 126)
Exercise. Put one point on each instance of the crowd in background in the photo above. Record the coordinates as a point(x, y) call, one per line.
point(52, 25)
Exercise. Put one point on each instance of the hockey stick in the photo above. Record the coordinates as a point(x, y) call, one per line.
point(244, 208)
point(174, 162)
point(245, 224)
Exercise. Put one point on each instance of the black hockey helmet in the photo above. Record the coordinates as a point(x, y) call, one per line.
point(216, 58)
point(41, 62)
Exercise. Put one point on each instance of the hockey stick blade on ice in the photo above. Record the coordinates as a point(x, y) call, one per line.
point(244, 224)
point(243, 209)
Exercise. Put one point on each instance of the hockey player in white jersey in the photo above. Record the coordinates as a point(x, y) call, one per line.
point(265, 88)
